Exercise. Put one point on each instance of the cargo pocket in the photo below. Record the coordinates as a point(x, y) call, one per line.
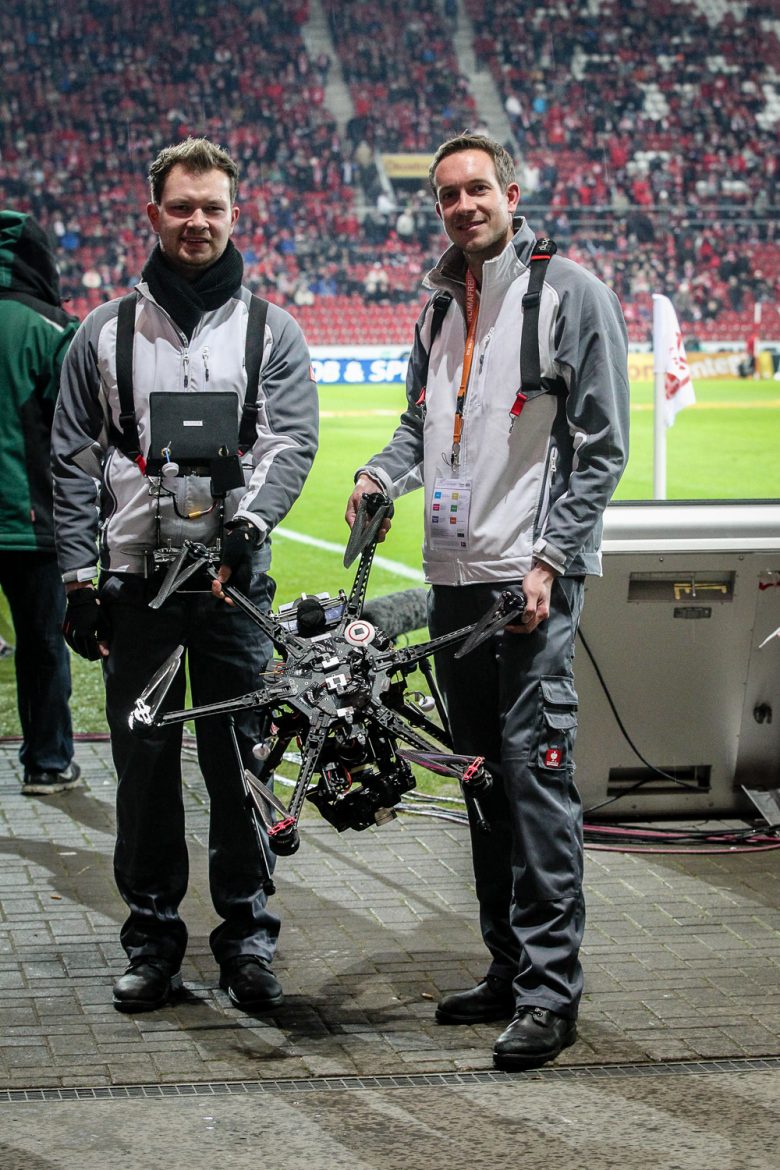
point(558, 723)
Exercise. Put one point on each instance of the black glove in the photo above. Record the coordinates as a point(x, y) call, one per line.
point(84, 625)
point(242, 539)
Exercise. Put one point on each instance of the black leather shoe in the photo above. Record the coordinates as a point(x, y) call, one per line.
point(146, 985)
point(535, 1036)
point(251, 985)
point(490, 1000)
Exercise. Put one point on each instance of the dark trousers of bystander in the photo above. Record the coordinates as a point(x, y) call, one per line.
point(32, 583)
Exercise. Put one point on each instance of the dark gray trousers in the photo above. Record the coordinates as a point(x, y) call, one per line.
point(512, 700)
point(225, 652)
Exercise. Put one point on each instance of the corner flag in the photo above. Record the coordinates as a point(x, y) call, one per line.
point(673, 388)
point(669, 360)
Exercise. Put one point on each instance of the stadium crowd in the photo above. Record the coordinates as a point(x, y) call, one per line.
point(647, 142)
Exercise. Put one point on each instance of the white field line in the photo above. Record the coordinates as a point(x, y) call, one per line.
point(376, 412)
point(758, 404)
point(749, 404)
point(396, 567)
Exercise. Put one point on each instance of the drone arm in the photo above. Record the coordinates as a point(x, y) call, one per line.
point(396, 727)
point(409, 655)
point(373, 509)
point(310, 754)
point(144, 717)
point(282, 638)
point(357, 596)
point(283, 835)
point(408, 711)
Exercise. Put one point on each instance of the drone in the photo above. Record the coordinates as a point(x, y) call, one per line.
point(338, 689)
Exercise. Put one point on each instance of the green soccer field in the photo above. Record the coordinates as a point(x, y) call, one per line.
point(724, 447)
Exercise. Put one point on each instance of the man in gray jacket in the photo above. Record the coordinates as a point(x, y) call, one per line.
point(187, 329)
point(519, 437)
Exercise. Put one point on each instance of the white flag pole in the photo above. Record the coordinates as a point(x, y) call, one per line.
point(659, 439)
point(659, 398)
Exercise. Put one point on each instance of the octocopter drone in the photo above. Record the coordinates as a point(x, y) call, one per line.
point(339, 689)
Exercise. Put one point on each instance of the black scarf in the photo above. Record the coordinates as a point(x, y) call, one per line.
point(186, 301)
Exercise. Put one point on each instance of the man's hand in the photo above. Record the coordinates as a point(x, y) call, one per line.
point(365, 486)
point(242, 539)
point(537, 587)
point(85, 629)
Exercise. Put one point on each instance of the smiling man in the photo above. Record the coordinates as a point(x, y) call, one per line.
point(517, 427)
point(476, 205)
point(193, 214)
point(190, 327)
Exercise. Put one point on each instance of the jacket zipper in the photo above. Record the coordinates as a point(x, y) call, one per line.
point(485, 344)
point(206, 362)
point(544, 501)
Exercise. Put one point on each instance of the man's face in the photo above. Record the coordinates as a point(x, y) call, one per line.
point(194, 219)
point(476, 213)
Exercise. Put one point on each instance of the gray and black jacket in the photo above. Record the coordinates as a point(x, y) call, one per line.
point(541, 487)
point(164, 358)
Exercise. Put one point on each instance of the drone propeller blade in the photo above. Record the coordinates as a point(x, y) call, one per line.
point(264, 793)
point(179, 572)
point(374, 507)
point(446, 763)
point(509, 605)
point(438, 762)
point(151, 698)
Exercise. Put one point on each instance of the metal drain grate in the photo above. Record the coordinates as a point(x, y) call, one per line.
point(387, 1083)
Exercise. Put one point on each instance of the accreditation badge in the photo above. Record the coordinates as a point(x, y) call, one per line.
point(448, 521)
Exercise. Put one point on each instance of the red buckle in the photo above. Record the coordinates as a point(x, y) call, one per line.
point(518, 404)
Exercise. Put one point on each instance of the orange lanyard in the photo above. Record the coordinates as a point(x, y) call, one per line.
point(472, 314)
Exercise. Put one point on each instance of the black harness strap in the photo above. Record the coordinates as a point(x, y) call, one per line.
point(127, 441)
point(253, 360)
point(530, 365)
point(127, 438)
point(439, 306)
point(439, 311)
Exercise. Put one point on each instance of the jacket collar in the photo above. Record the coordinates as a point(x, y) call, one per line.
point(497, 274)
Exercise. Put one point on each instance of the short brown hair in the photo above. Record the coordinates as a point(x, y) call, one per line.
point(502, 159)
point(196, 155)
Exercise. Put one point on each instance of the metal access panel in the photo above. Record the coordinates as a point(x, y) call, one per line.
point(689, 593)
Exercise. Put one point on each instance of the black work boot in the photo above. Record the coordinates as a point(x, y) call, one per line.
point(492, 999)
point(147, 984)
point(250, 983)
point(534, 1036)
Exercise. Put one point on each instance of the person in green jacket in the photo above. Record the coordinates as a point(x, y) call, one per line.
point(35, 333)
